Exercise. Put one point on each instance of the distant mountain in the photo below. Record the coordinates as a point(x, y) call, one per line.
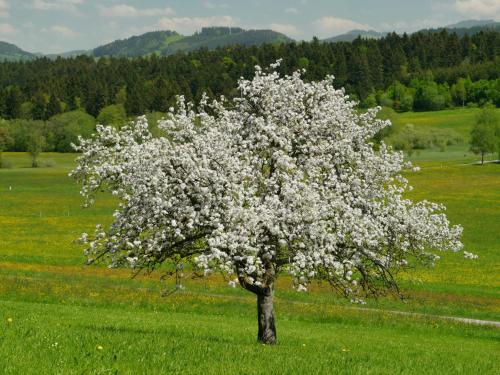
point(141, 45)
point(213, 37)
point(169, 42)
point(353, 34)
point(78, 52)
point(461, 28)
point(10, 52)
point(461, 31)
point(469, 23)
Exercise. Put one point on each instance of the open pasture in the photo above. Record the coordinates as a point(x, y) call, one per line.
point(59, 316)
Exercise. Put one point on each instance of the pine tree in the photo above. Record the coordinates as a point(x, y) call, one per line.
point(39, 106)
point(53, 107)
point(13, 103)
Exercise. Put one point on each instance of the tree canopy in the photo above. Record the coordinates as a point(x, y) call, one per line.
point(427, 64)
point(284, 179)
point(485, 135)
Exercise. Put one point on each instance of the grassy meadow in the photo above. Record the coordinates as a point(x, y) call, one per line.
point(58, 316)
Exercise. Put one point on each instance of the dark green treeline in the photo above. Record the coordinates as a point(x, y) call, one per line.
point(422, 71)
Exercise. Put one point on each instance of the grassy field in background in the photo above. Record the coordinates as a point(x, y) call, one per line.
point(459, 120)
point(59, 316)
point(456, 121)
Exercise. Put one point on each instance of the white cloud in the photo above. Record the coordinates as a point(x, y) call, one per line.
point(59, 5)
point(129, 11)
point(211, 5)
point(331, 26)
point(287, 29)
point(478, 8)
point(190, 24)
point(4, 9)
point(292, 11)
point(7, 29)
point(64, 31)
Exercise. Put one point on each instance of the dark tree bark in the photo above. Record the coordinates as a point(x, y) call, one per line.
point(265, 308)
point(265, 316)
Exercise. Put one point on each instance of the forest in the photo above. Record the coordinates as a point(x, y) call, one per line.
point(419, 72)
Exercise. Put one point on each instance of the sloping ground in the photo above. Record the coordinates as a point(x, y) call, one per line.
point(59, 316)
point(194, 335)
point(10, 52)
point(141, 45)
point(169, 42)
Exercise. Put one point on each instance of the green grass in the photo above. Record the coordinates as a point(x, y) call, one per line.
point(455, 121)
point(458, 120)
point(56, 313)
point(183, 337)
point(41, 213)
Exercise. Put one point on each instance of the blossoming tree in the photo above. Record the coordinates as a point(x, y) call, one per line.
point(281, 179)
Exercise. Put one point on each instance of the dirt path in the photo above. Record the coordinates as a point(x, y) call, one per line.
point(477, 322)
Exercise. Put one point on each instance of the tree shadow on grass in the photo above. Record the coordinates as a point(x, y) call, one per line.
point(172, 332)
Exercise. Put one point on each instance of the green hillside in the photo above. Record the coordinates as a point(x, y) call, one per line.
point(353, 34)
point(169, 42)
point(469, 27)
point(69, 54)
point(10, 52)
point(462, 29)
point(470, 23)
point(145, 44)
point(214, 37)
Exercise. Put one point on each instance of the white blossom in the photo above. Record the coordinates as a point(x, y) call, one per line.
point(470, 255)
point(282, 178)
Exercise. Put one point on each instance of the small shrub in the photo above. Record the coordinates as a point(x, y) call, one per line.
point(5, 164)
point(49, 163)
point(410, 137)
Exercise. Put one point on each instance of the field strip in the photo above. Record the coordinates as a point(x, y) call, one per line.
point(122, 274)
point(479, 163)
point(478, 322)
point(451, 165)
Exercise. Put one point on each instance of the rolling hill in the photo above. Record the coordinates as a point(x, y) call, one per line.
point(469, 24)
point(159, 42)
point(469, 27)
point(11, 52)
point(145, 44)
point(169, 42)
point(353, 34)
point(461, 28)
point(69, 54)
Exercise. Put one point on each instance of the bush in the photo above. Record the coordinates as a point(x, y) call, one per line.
point(49, 163)
point(66, 128)
point(410, 137)
point(5, 164)
point(113, 115)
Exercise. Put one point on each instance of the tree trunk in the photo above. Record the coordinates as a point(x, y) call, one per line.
point(265, 316)
point(482, 158)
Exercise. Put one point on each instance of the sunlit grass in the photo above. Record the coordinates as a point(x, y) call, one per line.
point(59, 316)
point(192, 338)
point(459, 121)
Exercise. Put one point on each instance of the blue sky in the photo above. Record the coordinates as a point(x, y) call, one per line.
point(61, 25)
